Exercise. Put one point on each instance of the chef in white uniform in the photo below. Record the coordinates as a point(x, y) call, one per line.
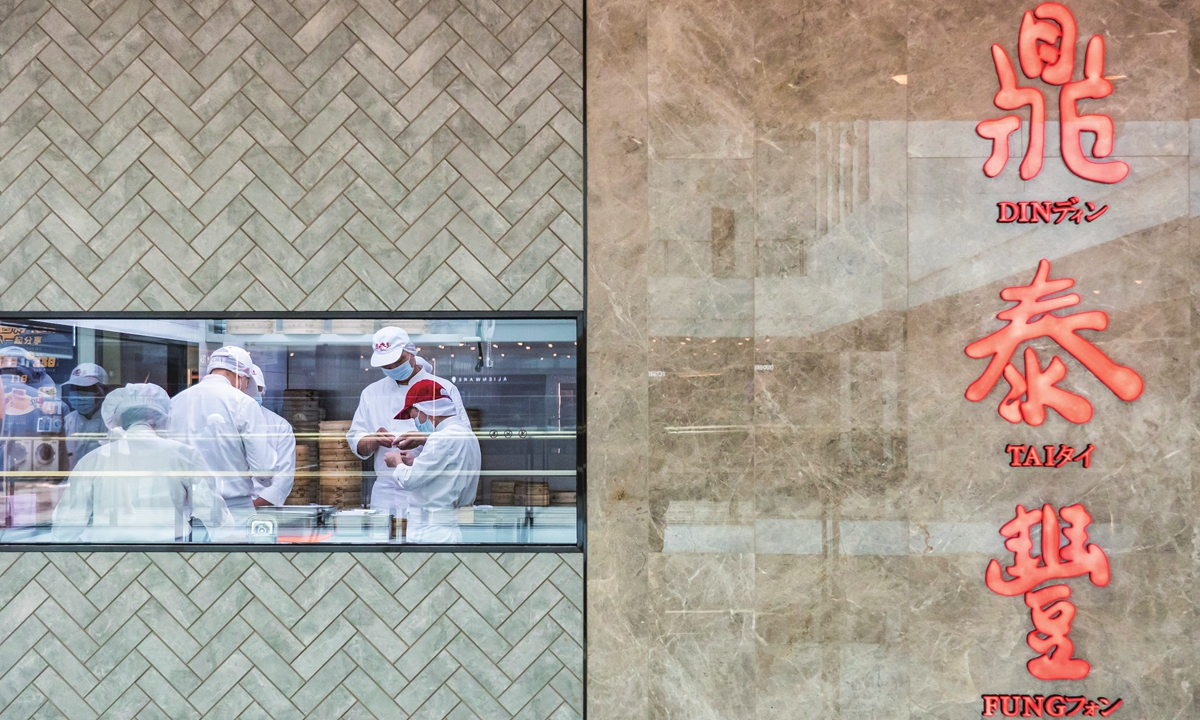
point(442, 477)
point(84, 426)
point(218, 418)
point(140, 487)
point(375, 428)
point(282, 440)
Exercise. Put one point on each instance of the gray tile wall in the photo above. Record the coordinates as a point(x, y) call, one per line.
point(244, 155)
point(270, 635)
point(266, 155)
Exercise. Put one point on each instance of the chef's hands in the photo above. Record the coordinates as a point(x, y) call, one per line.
point(394, 458)
point(411, 440)
point(261, 502)
point(370, 443)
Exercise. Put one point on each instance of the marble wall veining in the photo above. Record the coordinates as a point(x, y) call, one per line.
point(791, 242)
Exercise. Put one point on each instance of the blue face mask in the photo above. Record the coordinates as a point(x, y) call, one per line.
point(400, 373)
point(85, 404)
point(425, 427)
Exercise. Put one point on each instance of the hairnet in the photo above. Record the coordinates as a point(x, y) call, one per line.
point(146, 396)
point(231, 358)
point(24, 362)
point(259, 379)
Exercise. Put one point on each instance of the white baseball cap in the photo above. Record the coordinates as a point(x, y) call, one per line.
point(87, 375)
point(389, 344)
point(233, 359)
point(259, 380)
point(438, 407)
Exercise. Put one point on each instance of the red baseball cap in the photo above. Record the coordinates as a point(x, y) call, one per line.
point(421, 391)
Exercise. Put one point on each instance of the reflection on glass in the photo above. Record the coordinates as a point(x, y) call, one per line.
point(288, 431)
point(83, 426)
point(138, 487)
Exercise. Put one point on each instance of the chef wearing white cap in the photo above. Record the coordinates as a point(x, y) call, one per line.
point(444, 476)
point(218, 417)
point(141, 487)
point(282, 440)
point(84, 426)
point(375, 427)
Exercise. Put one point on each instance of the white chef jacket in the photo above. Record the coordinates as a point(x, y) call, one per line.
point(226, 426)
point(140, 488)
point(377, 408)
point(444, 477)
point(84, 435)
point(283, 446)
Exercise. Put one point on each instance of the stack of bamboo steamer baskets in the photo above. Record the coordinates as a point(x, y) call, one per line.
point(502, 492)
point(535, 493)
point(341, 470)
point(563, 498)
point(305, 475)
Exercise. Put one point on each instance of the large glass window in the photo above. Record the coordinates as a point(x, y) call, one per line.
point(294, 431)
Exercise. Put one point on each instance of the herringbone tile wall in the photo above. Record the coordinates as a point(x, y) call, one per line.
point(269, 635)
point(304, 155)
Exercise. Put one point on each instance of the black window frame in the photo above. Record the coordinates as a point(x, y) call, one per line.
point(399, 315)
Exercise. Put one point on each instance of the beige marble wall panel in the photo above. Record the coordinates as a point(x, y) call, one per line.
point(700, 78)
point(618, 135)
point(818, 500)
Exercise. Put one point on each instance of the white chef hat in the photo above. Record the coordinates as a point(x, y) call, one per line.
point(259, 379)
point(145, 396)
point(231, 358)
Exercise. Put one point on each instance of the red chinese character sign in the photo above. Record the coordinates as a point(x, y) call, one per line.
point(1032, 392)
point(1049, 606)
point(1046, 50)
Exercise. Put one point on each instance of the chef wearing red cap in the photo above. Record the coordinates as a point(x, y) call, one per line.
point(436, 479)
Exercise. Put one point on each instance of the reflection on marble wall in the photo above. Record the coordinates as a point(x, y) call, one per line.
point(791, 241)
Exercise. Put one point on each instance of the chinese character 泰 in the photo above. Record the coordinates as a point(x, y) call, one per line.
point(1036, 389)
point(1049, 606)
point(1046, 50)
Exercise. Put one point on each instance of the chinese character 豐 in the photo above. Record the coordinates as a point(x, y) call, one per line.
point(1050, 607)
point(1046, 50)
point(1036, 389)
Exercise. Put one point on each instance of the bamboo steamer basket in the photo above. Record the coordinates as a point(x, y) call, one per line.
point(250, 327)
point(532, 494)
point(300, 486)
point(350, 326)
point(306, 326)
point(342, 488)
point(340, 469)
point(502, 492)
point(341, 497)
